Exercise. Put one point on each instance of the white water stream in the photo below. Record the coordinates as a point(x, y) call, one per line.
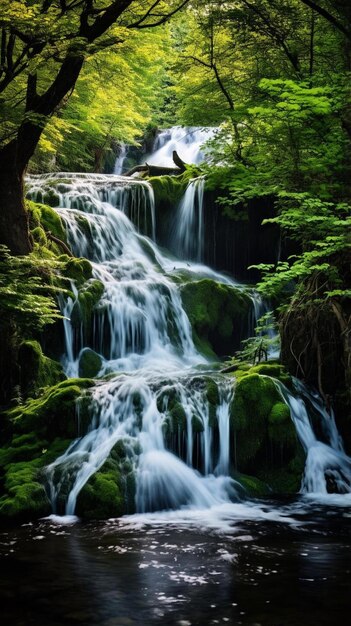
point(188, 142)
point(144, 336)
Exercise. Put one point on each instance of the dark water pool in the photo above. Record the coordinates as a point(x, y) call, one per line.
point(182, 571)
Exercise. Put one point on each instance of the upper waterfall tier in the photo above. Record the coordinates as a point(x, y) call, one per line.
point(188, 142)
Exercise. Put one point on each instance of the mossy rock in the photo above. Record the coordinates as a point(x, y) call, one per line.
point(83, 311)
point(169, 189)
point(37, 433)
point(90, 363)
point(42, 215)
point(79, 269)
point(219, 314)
point(212, 392)
point(53, 414)
point(264, 432)
point(274, 370)
point(287, 479)
point(37, 371)
point(103, 495)
point(25, 497)
point(178, 417)
point(39, 236)
point(253, 401)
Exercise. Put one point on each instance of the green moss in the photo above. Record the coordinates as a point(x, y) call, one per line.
point(286, 480)
point(103, 495)
point(53, 414)
point(266, 439)
point(39, 236)
point(275, 370)
point(47, 218)
point(196, 424)
point(212, 392)
point(253, 486)
point(89, 296)
point(24, 496)
point(89, 363)
point(178, 417)
point(281, 429)
point(280, 413)
point(218, 313)
point(254, 398)
point(79, 270)
point(39, 432)
point(37, 371)
point(169, 189)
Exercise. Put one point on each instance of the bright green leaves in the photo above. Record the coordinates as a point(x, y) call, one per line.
point(25, 296)
point(115, 98)
point(322, 229)
point(295, 100)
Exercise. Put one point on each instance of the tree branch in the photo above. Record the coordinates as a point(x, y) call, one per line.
point(162, 20)
point(329, 17)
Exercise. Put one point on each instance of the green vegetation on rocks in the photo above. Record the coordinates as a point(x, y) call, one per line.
point(43, 216)
point(169, 190)
point(89, 363)
point(33, 435)
point(110, 491)
point(218, 314)
point(37, 371)
point(266, 440)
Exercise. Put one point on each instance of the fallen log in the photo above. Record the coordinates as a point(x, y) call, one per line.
point(159, 170)
point(178, 161)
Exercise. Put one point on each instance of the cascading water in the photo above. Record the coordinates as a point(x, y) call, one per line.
point(119, 163)
point(140, 327)
point(327, 468)
point(187, 142)
point(161, 381)
point(187, 236)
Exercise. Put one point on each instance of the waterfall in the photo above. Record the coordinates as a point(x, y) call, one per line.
point(140, 329)
point(155, 400)
point(187, 141)
point(135, 409)
point(327, 467)
point(187, 237)
point(119, 163)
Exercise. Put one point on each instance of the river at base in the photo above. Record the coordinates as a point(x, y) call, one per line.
point(267, 563)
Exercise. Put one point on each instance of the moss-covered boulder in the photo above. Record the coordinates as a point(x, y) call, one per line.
point(78, 269)
point(34, 435)
point(110, 492)
point(25, 497)
point(90, 363)
point(37, 371)
point(219, 315)
point(43, 216)
point(266, 441)
point(251, 485)
point(168, 192)
point(53, 413)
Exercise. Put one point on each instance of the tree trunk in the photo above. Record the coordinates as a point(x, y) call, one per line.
point(14, 232)
point(15, 156)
